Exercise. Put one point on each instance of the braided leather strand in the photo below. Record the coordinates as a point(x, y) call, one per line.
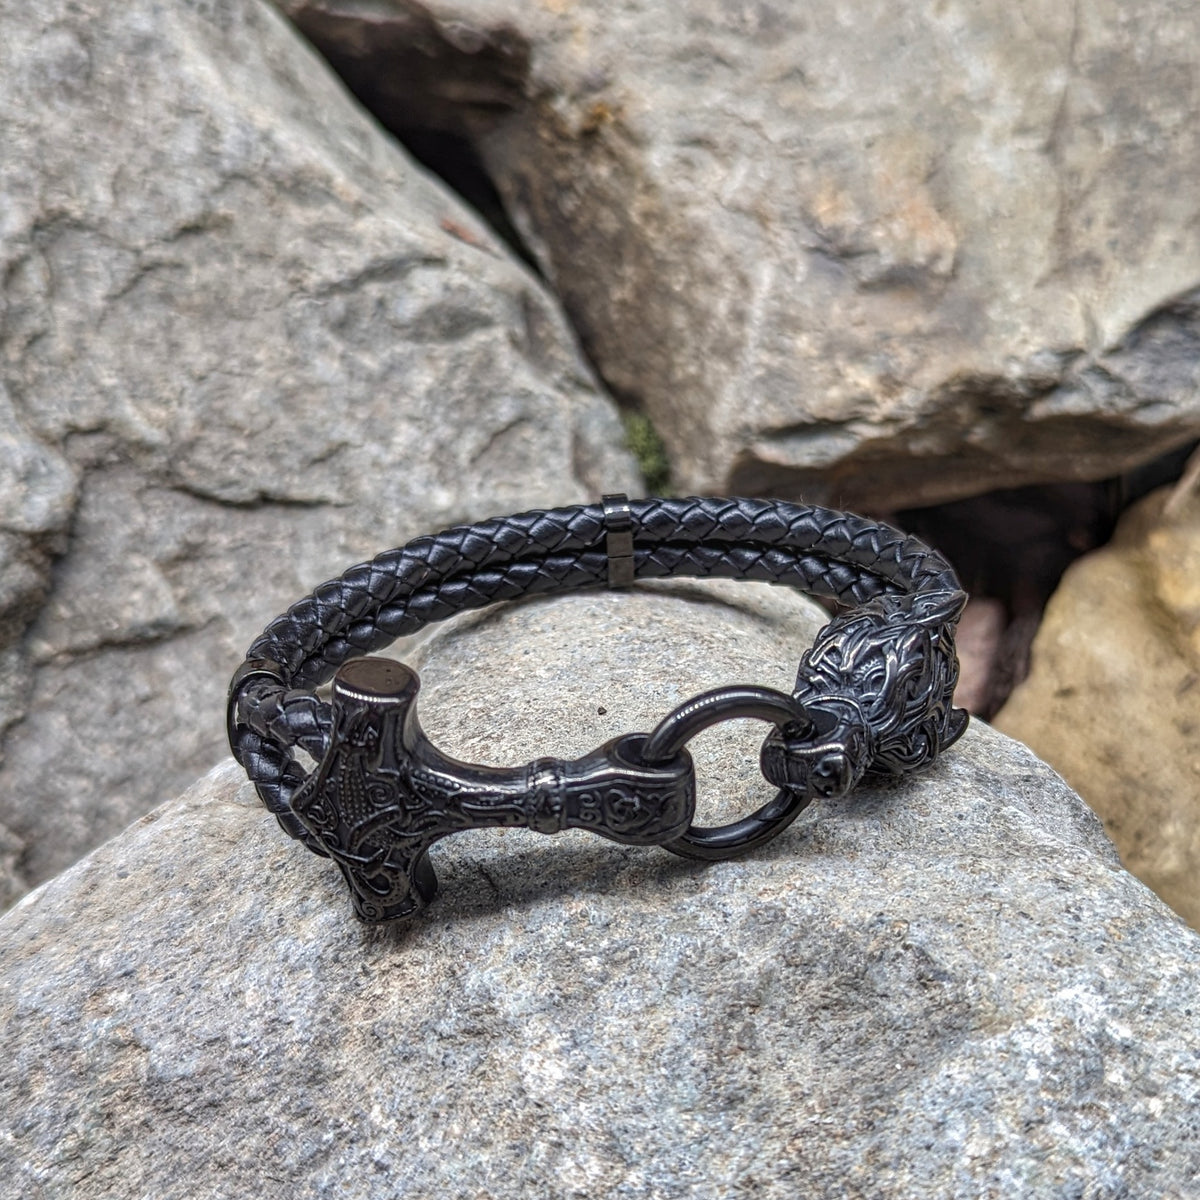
point(820, 551)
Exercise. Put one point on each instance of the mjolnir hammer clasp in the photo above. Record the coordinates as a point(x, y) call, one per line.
point(383, 793)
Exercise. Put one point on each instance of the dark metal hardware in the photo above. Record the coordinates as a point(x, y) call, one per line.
point(872, 697)
point(711, 708)
point(618, 539)
point(383, 794)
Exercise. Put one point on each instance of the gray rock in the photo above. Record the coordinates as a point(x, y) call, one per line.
point(246, 341)
point(945, 987)
point(892, 254)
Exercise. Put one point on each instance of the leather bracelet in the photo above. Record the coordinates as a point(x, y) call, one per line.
point(872, 697)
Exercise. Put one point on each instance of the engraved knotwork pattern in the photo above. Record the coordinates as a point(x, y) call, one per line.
point(383, 794)
point(878, 686)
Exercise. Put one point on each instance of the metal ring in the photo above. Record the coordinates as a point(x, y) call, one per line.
point(675, 730)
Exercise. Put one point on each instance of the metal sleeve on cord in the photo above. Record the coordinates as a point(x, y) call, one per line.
point(618, 539)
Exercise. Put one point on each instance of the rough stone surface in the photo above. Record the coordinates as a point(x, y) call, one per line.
point(244, 342)
point(1113, 697)
point(883, 253)
point(942, 988)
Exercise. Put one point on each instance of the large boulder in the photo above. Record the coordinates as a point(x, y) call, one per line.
point(887, 254)
point(246, 341)
point(944, 987)
point(1113, 694)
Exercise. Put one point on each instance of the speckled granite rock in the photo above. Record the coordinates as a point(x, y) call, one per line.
point(943, 988)
point(891, 252)
point(1113, 695)
point(245, 342)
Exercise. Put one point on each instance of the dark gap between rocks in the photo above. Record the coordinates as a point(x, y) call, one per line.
point(430, 86)
point(1010, 548)
point(454, 160)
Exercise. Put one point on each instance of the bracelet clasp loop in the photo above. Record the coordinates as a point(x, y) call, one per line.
point(711, 708)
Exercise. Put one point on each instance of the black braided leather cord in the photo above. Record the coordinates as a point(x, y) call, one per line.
point(881, 573)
